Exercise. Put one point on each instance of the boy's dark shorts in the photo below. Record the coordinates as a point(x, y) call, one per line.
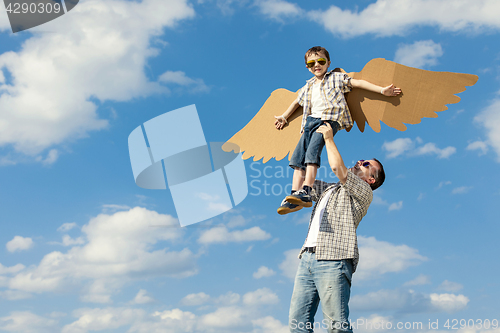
point(311, 143)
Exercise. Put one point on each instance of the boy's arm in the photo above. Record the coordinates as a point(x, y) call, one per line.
point(386, 91)
point(334, 158)
point(281, 120)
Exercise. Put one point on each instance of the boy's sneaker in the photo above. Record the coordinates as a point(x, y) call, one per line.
point(287, 207)
point(300, 198)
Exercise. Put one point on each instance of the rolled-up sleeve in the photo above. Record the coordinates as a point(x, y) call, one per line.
point(359, 191)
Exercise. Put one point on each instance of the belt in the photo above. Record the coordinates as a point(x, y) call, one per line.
point(310, 249)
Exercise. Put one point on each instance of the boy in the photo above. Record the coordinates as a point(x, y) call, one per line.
point(323, 100)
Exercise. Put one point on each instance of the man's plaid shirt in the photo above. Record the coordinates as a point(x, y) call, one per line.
point(333, 87)
point(346, 207)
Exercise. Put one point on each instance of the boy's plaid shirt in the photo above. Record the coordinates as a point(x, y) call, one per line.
point(346, 207)
point(333, 88)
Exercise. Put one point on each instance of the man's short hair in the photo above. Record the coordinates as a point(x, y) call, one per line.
point(317, 50)
point(379, 176)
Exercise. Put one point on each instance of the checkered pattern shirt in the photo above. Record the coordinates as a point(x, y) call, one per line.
point(333, 87)
point(346, 207)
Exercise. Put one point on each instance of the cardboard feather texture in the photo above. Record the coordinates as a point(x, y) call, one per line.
point(423, 94)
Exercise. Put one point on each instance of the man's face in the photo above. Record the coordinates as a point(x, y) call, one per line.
point(317, 69)
point(366, 170)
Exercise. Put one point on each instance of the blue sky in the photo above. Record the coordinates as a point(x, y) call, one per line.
point(86, 250)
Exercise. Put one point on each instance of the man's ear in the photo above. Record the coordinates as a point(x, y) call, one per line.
point(371, 180)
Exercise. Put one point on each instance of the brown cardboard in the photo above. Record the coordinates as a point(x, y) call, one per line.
point(423, 94)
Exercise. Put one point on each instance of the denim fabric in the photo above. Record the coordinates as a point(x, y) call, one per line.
point(325, 280)
point(311, 143)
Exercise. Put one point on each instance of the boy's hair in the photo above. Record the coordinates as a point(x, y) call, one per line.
point(317, 50)
point(379, 177)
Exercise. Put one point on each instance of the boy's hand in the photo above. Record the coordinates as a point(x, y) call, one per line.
point(280, 122)
point(326, 130)
point(391, 91)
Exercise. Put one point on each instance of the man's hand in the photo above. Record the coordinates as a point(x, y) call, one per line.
point(326, 130)
point(334, 158)
point(391, 91)
point(280, 122)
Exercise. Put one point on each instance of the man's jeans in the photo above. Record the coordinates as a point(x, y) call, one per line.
point(325, 280)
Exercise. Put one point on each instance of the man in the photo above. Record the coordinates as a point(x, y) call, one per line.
point(329, 255)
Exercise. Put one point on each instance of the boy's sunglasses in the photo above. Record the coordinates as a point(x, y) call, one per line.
point(321, 61)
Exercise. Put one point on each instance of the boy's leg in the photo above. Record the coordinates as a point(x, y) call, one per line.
point(312, 160)
point(298, 178)
point(310, 175)
point(297, 163)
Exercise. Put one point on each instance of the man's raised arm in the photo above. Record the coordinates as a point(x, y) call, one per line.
point(334, 158)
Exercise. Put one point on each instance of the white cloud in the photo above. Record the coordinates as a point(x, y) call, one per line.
point(450, 286)
point(448, 302)
point(397, 147)
point(225, 317)
point(14, 295)
point(379, 257)
point(179, 78)
point(195, 299)
point(98, 52)
point(68, 241)
point(383, 18)
point(102, 319)
point(431, 148)
point(478, 145)
point(290, 264)
point(378, 200)
point(27, 322)
point(408, 301)
point(67, 227)
point(461, 189)
point(19, 243)
point(489, 118)
point(419, 54)
point(119, 249)
point(269, 325)
point(223, 235)
point(51, 157)
point(242, 314)
point(142, 297)
point(11, 270)
point(111, 208)
point(396, 206)
point(260, 296)
point(443, 183)
point(418, 281)
point(229, 298)
point(236, 221)
point(278, 10)
point(263, 271)
point(406, 145)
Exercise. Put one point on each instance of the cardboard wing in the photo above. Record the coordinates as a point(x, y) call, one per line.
point(423, 94)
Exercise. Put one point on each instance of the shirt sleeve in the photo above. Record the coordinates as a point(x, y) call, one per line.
point(318, 188)
point(302, 95)
point(346, 83)
point(358, 189)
